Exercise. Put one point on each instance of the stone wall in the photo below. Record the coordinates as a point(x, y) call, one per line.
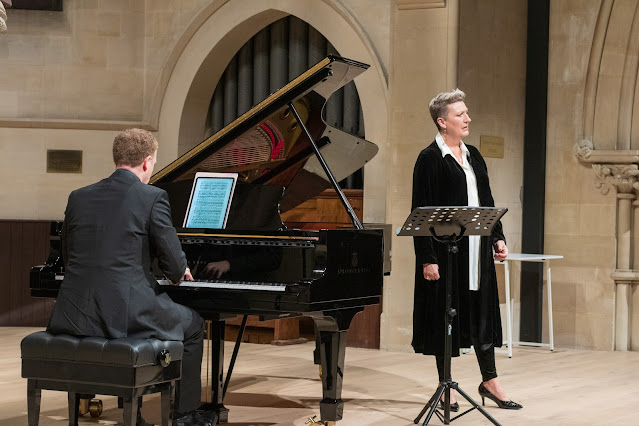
point(492, 71)
point(579, 221)
point(95, 61)
point(71, 79)
point(478, 46)
point(423, 63)
point(27, 190)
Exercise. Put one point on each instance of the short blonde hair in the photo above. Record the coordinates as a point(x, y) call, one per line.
point(438, 106)
point(132, 146)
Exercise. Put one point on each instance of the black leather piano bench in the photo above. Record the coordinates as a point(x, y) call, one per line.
point(128, 367)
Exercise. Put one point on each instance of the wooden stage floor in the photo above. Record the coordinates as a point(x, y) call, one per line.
point(279, 385)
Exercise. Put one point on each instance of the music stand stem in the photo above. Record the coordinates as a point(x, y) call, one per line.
point(444, 388)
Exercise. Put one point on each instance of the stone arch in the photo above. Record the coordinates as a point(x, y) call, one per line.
point(193, 68)
point(611, 94)
point(608, 143)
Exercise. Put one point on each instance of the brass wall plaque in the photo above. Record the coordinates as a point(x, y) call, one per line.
point(491, 146)
point(64, 161)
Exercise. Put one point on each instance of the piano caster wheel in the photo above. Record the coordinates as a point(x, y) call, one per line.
point(95, 408)
point(91, 406)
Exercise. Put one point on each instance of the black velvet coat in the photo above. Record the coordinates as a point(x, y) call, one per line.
point(440, 181)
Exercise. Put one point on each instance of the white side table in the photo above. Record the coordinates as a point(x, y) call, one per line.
point(523, 257)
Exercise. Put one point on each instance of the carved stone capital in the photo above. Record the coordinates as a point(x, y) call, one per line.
point(587, 154)
point(583, 150)
point(621, 177)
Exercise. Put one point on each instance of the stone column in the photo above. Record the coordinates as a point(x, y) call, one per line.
point(623, 288)
point(623, 177)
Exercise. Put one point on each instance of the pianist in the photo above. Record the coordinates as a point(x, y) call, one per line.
point(111, 232)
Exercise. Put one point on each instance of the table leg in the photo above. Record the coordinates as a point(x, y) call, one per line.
point(509, 315)
point(550, 327)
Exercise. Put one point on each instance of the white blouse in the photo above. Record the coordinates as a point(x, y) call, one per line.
point(473, 201)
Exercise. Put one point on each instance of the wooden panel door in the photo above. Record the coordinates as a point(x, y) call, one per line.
point(24, 244)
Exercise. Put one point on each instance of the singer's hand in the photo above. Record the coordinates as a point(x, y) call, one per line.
point(501, 251)
point(431, 271)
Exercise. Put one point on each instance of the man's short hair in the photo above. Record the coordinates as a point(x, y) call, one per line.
point(438, 106)
point(132, 146)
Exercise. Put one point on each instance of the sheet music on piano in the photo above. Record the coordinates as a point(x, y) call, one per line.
point(210, 200)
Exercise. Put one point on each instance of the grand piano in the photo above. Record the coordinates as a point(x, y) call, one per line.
point(281, 149)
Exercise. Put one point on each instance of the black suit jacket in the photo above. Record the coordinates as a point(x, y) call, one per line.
point(112, 230)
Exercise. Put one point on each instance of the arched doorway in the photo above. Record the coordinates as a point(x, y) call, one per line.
point(208, 45)
point(198, 62)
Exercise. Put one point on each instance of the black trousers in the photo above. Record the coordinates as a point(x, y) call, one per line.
point(485, 358)
point(485, 352)
point(189, 387)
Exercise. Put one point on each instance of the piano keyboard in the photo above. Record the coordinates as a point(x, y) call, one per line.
point(232, 285)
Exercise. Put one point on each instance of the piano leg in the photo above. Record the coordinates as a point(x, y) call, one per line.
point(332, 336)
point(217, 372)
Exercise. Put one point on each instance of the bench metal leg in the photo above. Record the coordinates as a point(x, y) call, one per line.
point(168, 394)
point(131, 404)
point(33, 402)
point(74, 408)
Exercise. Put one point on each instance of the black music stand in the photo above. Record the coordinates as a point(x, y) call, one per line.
point(448, 225)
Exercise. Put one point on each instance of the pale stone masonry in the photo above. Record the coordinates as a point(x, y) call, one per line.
point(71, 79)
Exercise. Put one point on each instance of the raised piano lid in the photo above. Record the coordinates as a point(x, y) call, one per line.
point(267, 147)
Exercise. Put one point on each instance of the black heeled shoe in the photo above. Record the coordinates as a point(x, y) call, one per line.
point(454, 406)
point(508, 405)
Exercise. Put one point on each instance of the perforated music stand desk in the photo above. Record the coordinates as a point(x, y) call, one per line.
point(449, 225)
point(449, 220)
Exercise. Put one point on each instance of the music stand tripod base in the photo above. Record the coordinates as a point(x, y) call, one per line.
point(448, 225)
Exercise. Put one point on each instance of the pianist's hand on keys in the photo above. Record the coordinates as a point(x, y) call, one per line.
point(187, 275)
